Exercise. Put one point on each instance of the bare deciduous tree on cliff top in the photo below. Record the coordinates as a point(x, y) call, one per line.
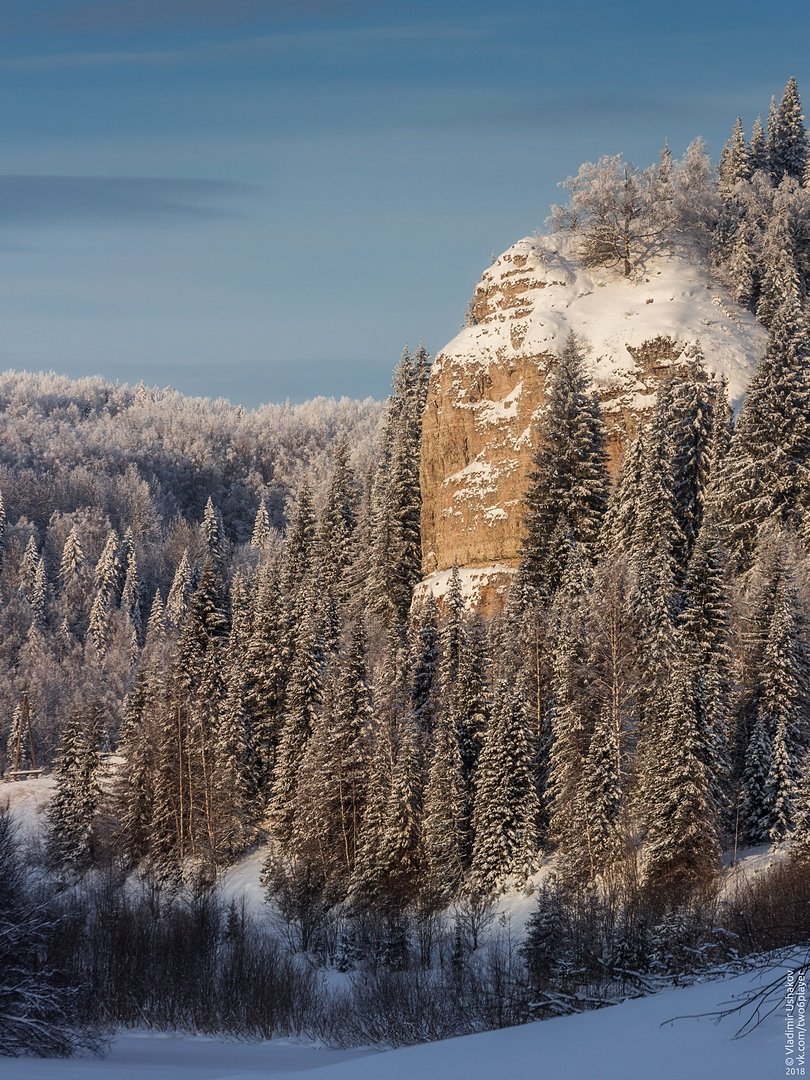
point(623, 215)
point(612, 213)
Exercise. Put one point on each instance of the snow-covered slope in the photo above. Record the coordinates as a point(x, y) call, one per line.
point(636, 1040)
point(28, 800)
point(538, 290)
point(625, 1041)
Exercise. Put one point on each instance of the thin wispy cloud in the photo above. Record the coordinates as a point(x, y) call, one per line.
point(560, 114)
point(337, 41)
point(117, 15)
point(126, 16)
point(38, 199)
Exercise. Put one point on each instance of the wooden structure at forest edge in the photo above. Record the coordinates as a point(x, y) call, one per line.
point(22, 748)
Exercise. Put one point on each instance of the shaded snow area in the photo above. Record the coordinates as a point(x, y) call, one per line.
point(540, 282)
point(636, 1040)
point(28, 800)
point(150, 1056)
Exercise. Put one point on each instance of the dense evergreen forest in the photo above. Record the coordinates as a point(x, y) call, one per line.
point(223, 602)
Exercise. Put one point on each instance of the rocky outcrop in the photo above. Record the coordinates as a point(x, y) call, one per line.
point(487, 387)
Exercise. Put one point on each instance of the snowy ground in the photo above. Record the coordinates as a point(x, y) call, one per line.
point(625, 1042)
point(633, 1041)
point(28, 800)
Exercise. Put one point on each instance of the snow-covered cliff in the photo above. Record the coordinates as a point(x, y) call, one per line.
point(487, 385)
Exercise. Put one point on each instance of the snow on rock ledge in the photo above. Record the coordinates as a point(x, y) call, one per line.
point(483, 587)
point(487, 384)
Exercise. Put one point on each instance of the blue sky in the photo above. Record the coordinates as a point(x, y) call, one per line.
point(265, 199)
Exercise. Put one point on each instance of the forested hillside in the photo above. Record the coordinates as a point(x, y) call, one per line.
point(87, 468)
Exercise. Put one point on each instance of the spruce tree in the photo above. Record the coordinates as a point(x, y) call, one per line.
point(624, 505)
point(105, 594)
point(156, 623)
point(704, 628)
point(338, 520)
point(134, 789)
point(213, 535)
point(302, 703)
point(568, 720)
point(801, 829)
point(722, 430)
point(131, 598)
point(39, 596)
point(266, 668)
point(398, 849)
point(71, 813)
point(396, 502)
point(28, 567)
point(299, 546)
point(600, 796)
point(734, 164)
point(764, 477)
point(424, 649)
point(772, 166)
point(170, 825)
point(754, 807)
point(777, 273)
point(236, 806)
point(506, 814)
point(388, 824)
point(368, 879)
point(569, 483)
point(472, 699)
point(444, 841)
point(691, 410)
point(611, 675)
point(207, 620)
point(72, 561)
point(682, 848)
point(742, 268)
point(261, 527)
point(332, 792)
point(179, 593)
point(757, 151)
point(780, 782)
point(780, 732)
point(787, 137)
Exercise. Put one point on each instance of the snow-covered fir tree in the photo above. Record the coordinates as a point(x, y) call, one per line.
point(735, 162)
point(599, 797)
point(757, 150)
point(303, 699)
point(71, 812)
point(568, 485)
point(105, 594)
point(764, 475)
point(396, 556)
point(262, 530)
point(445, 823)
point(780, 733)
point(801, 810)
point(786, 143)
point(177, 600)
point(507, 810)
point(682, 849)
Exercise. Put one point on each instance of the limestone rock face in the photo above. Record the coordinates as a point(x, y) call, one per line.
point(487, 387)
